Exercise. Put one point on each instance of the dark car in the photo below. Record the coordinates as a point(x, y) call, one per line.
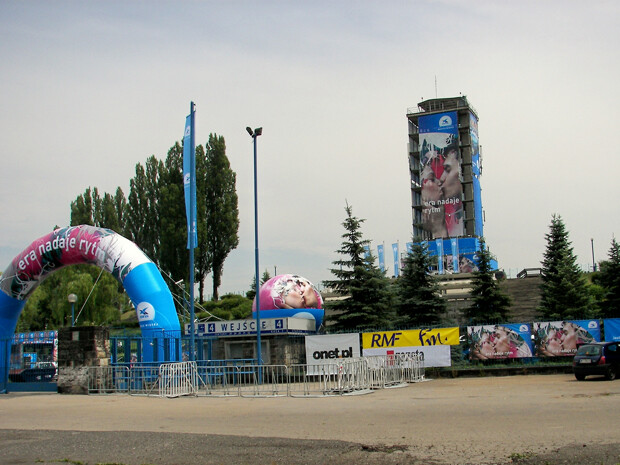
point(597, 358)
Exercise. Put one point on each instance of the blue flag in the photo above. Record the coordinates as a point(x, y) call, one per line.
point(189, 180)
point(381, 258)
point(396, 261)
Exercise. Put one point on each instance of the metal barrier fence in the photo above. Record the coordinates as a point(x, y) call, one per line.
point(230, 378)
point(178, 379)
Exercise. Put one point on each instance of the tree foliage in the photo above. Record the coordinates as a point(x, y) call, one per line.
point(100, 304)
point(489, 303)
point(418, 300)
point(221, 211)
point(609, 279)
point(564, 292)
point(367, 300)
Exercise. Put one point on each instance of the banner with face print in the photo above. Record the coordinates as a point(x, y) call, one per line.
point(561, 338)
point(511, 340)
point(441, 178)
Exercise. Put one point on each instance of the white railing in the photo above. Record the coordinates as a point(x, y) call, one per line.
point(336, 378)
point(177, 379)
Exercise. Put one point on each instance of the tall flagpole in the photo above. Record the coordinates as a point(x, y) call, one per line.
point(191, 235)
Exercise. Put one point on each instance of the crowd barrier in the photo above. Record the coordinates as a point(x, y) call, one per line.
point(232, 378)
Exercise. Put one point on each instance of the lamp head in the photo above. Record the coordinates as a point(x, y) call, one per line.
point(249, 129)
point(258, 131)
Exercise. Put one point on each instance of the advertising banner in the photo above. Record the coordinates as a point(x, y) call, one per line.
point(433, 356)
point(410, 338)
point(476, 171)
point(442, 189)
point(189, 180)
point(396, 259)
point(612, 329)
point(456, 255)
point(329, 348)
point(560, 338)
point(512, 340)
point(381, 258)
point(322, 349)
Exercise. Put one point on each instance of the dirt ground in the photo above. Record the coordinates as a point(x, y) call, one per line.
point(531, 420)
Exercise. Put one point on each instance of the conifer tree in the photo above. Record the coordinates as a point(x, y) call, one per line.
point(418, 298)
point(564, 289)
point(489, 303)
point(609, 279)
point(367, 300)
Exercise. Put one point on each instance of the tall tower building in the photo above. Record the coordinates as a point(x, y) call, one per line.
point(445, 168)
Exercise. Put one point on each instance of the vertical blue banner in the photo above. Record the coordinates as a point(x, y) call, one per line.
point(455, 254)
point(611, 326)
point(396, 261)
point(409, 246)
point(381, 258)
point(367, 252)
point(439, 243)
point(189, 180)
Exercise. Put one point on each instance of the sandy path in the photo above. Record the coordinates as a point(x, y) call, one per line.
point(473, 420)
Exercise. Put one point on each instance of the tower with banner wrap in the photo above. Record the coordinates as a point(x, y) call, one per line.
point(445, 166)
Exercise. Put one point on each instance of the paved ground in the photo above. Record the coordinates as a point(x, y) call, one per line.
point(541, 419)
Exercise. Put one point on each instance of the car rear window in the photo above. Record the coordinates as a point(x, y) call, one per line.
point(589, 350)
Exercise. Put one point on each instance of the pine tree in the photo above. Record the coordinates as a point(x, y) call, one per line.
point(564, 293)
point(417, 291)
point(609, 279)
point(489, 303)
point(367, 302)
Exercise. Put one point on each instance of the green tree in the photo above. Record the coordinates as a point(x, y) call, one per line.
point(221, 208)
point(418, 300)
point(103, 212)
point(489, 303)
point(609, 279)
point(367, 300)
point(100, 299)
point(564, 293)
point(173, 253)
point(143, 220)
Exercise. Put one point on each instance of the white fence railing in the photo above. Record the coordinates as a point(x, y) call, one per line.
point(178, 379)
point(338, 377)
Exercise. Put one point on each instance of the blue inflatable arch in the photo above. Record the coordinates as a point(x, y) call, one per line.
point(102, 247)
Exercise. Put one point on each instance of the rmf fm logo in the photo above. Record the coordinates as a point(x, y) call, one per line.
point(383, 340)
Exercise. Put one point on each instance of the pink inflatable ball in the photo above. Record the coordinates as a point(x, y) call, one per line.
point(288, 291)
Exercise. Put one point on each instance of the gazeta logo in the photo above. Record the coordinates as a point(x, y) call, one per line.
point(186, 179)
point(592, 325)
point(444, 121)
point(523, 328)
point(145, 311)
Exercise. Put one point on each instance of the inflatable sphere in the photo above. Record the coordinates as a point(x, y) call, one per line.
point(290, 295)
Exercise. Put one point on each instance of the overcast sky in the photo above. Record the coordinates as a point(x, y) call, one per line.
point(90, 89)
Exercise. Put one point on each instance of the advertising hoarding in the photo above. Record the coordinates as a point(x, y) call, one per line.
point(512, 340)
point(476, 171)
point(612, 329)
point(561, 338)
point(447, 251)
point(434, 344)
point(441, 177)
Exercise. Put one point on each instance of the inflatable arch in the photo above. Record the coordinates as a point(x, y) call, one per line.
point(102, 247)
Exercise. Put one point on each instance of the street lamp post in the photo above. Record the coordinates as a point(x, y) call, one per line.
point(254, 134)
point(72, 298)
